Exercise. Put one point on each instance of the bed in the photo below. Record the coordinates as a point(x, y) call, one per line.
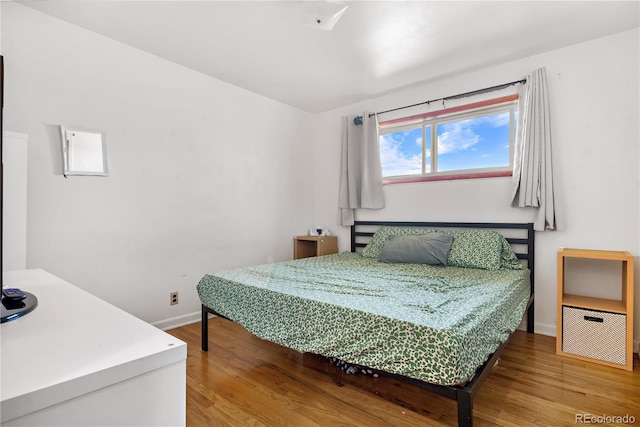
point(438, 322)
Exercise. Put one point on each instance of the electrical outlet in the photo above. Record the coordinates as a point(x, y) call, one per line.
point(173, 298)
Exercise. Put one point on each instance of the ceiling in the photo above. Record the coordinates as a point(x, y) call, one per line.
point(272, 48)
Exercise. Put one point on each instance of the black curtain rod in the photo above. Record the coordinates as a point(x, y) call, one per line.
point(358, 120)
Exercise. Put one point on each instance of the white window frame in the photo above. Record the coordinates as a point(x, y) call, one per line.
point(434, 119)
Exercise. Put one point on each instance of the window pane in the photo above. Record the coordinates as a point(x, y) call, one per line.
point(427, 167)
point(480, 142)
point(401, 152)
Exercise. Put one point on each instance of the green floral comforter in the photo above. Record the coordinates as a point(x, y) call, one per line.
point(436, 324)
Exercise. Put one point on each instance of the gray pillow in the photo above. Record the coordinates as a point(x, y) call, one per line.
point(384, 233)
point(432, 249)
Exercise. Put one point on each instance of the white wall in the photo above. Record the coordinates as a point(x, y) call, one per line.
point(594, 100)
point(14, 201)
point(203, 175)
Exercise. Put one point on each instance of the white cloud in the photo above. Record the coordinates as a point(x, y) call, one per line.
point(495, 120)
point(395, 162)
point(460, 136)
point(457, 136)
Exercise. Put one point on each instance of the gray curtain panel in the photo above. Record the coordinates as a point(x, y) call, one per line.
point(533, 184)
point(361, 174)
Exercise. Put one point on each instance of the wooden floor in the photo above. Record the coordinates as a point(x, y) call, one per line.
point(245, 381)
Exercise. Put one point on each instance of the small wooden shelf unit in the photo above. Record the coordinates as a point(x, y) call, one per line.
point(309, 246)
point(596, 312)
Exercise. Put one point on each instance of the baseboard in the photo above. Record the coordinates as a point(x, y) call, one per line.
point(544, 329)
point(176, 322)
point(539, 328)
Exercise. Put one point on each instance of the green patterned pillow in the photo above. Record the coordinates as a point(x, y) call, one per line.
point(508, 259)
point(476, 249)
point(382, 235)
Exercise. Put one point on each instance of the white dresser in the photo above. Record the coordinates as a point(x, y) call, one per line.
point(79, 361)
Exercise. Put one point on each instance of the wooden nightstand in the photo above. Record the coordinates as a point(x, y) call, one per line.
point(308, 246)
point(598, 330)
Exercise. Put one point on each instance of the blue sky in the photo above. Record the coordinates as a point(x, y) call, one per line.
point(478, 142)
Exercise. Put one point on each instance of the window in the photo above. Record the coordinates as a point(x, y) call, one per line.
point(470, 141)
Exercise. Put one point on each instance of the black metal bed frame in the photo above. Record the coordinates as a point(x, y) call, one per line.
point(462, 394)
